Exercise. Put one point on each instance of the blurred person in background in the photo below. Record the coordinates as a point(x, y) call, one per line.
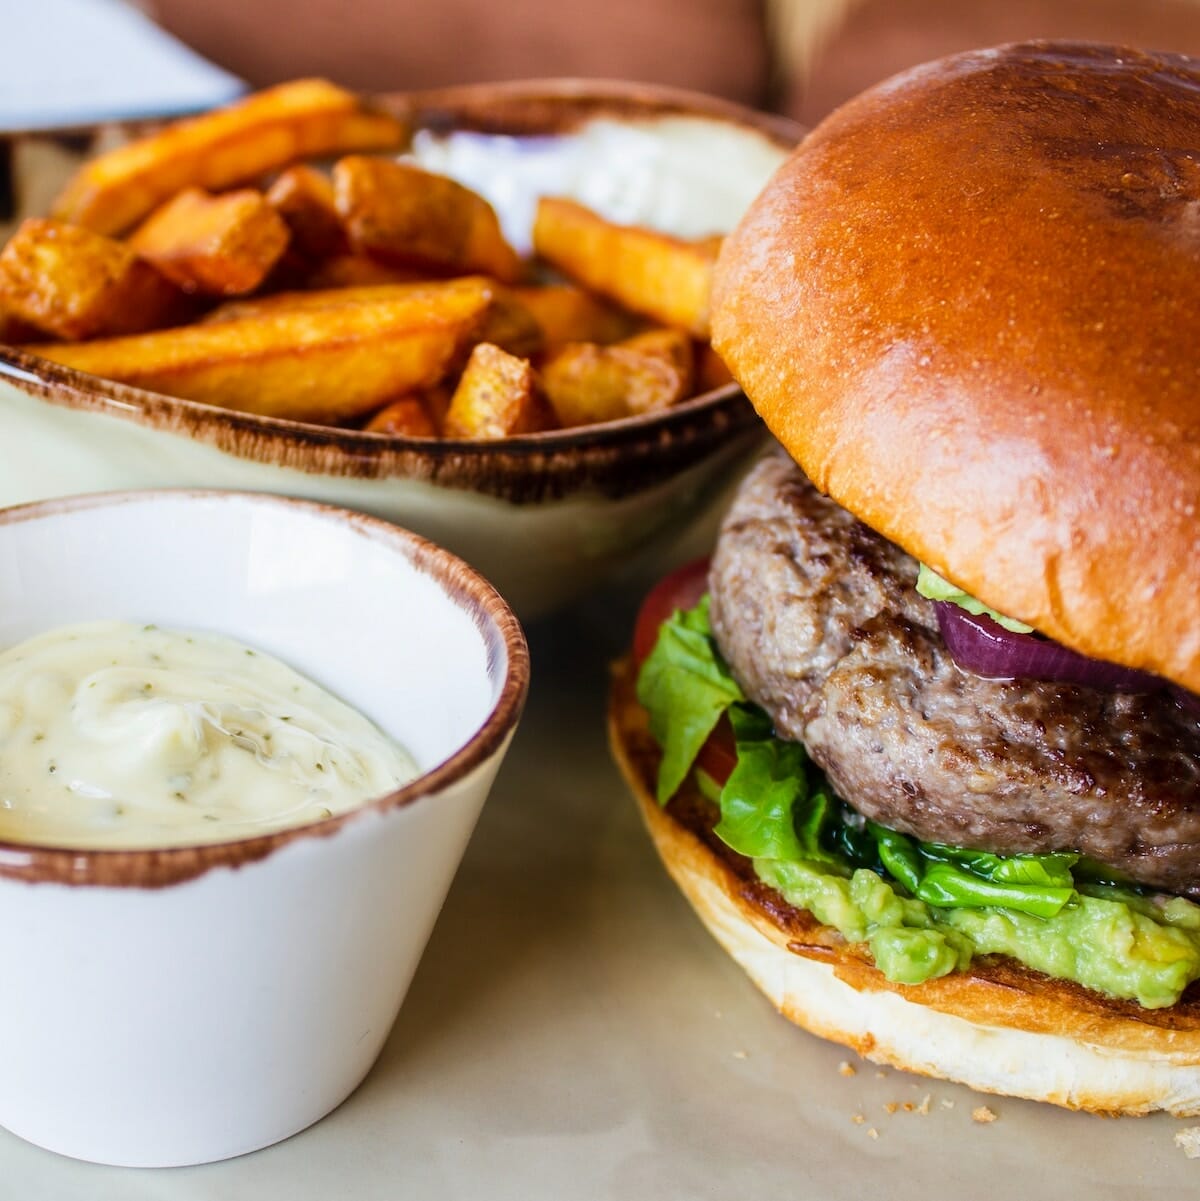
point(802, 57)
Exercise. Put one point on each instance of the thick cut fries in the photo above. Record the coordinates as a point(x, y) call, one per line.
point(495, 397)
point(217, 245)
point(659, 276)
point(303, 197)
point(711, 372)
point(566, 313)
point(402, 215)
point(403, 418)
point(305, 119)
point(328, 365)
point(72, 283)
point(356, 271)
point(507, 323)
point(586, 383)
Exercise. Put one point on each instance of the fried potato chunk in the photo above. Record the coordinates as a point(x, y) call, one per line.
point(404, 216)
point(218, 245)
point(303, 197)
point(495, 397)
point(507, 322)
point(566, 313)
point(711, 371)
point(358, 271)
point(406, 417)
point(662, 277)
point(72, 283)
point(304, 119)
point(647, 373)
point(330, 365)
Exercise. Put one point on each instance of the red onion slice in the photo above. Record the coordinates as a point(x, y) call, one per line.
point(985, 647)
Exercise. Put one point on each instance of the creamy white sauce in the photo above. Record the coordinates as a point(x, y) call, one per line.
point(685, 175)
point(114, 734)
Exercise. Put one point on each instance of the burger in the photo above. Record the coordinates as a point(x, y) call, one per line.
point(921, 743)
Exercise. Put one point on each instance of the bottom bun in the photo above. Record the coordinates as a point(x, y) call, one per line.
point(998, 1027)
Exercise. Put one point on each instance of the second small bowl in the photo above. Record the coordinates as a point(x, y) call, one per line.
point(544, 516)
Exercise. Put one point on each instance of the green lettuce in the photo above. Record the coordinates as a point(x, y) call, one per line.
point(933, 586)
point(685, 687)
point(777, 805)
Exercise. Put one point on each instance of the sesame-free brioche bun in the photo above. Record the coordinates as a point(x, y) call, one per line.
point(969, 307)
point(998, 1027)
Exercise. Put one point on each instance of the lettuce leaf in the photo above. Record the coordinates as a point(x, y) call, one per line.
point(685, 687)
point(776, 804)
point(768, 809)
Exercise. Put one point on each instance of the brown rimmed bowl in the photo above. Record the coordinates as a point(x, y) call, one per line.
point(544, 516)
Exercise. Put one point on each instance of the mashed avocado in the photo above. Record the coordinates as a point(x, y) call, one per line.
point(922, 910)
point(1130, 947)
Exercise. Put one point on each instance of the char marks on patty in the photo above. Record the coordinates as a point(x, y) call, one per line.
point(821, 623)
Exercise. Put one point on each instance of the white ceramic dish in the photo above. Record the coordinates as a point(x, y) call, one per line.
point(544, 516)
point(175, 1006)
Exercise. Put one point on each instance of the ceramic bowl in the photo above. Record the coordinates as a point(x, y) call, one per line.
point(544, 516)
point(174, 1006)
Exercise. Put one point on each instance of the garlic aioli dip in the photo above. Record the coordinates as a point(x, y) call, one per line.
point(119, 735)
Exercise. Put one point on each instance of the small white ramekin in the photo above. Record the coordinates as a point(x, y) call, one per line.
point(175, 1006)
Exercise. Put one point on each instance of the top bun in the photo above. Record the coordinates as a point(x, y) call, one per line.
point(969, 306)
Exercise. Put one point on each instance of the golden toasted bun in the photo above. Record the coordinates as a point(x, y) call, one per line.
point(1000, 1027)
point(969, 306)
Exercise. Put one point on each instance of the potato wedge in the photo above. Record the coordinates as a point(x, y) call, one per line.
point(13, 329)
point(303, 197)
point(662, 277)
point(507, 323)
point(72, 283)
point(711, 371)
point(586, 383)
point(566, 313)
point(230, 146)
point(327, 365)
point(403, 418)
point(495, 397)
point(220, 245)
point(404, 216)
point(358, 271)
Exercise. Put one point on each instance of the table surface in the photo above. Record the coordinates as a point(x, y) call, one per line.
point(573, 1032)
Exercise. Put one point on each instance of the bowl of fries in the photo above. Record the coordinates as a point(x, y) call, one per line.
point(480, 312)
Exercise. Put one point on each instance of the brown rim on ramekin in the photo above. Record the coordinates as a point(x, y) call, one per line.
point(156, 868)
point(614, 459)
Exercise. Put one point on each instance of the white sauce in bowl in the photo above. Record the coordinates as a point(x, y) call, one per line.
point(119, 735)
point(684, 175)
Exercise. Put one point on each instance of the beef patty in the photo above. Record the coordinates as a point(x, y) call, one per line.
point(821, 623)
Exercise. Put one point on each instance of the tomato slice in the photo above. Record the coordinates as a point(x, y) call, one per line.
point(681, 590)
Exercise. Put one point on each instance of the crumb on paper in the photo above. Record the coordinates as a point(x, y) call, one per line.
point(890, 1107)
point(740, 1055)
point(982, 1114)
point(881, 1075)
point(1188, 1141)
point(947, 1103)
point(909, 1107)
point(857, 1119)
point(923, 1108)
point(872, 1133)
point(847, 1069)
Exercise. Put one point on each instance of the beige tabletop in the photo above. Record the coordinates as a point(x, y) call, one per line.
point(574, 1033)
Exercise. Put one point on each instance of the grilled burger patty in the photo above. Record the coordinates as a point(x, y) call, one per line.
point(821, 624)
